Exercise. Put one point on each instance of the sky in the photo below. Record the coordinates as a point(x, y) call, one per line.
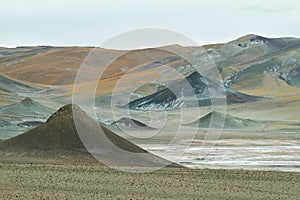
point(92, 22)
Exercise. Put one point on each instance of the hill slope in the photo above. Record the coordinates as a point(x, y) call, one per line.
point(179, 91)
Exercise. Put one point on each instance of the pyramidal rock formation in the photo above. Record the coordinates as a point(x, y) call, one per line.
point(71, 131)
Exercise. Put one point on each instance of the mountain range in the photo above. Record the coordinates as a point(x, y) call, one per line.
point(257, 73)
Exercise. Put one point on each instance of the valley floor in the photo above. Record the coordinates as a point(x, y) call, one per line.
point(48, 181)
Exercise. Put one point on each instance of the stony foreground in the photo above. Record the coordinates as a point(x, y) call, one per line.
point(46, 181)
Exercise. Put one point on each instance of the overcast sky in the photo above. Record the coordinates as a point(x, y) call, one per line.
point(91, 22)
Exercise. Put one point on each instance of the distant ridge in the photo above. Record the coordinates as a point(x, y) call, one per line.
point(8, 84)
point(27, 107)
point(241, 62)
point(230, 122)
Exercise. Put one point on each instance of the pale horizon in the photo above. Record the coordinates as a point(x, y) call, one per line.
point(91, 22)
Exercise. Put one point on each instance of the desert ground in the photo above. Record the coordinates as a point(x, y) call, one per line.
point(50, 181)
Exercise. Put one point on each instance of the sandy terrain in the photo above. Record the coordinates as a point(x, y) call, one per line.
point(47, 181)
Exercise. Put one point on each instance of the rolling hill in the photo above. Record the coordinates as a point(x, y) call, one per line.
point(241, 62)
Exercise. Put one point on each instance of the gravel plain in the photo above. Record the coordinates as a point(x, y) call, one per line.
point(52, 181)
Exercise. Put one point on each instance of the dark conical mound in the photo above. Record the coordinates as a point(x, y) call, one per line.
point(27, 101)
point(57, 133)
point(132, 124)
point(61, 134)
point(228, 121)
